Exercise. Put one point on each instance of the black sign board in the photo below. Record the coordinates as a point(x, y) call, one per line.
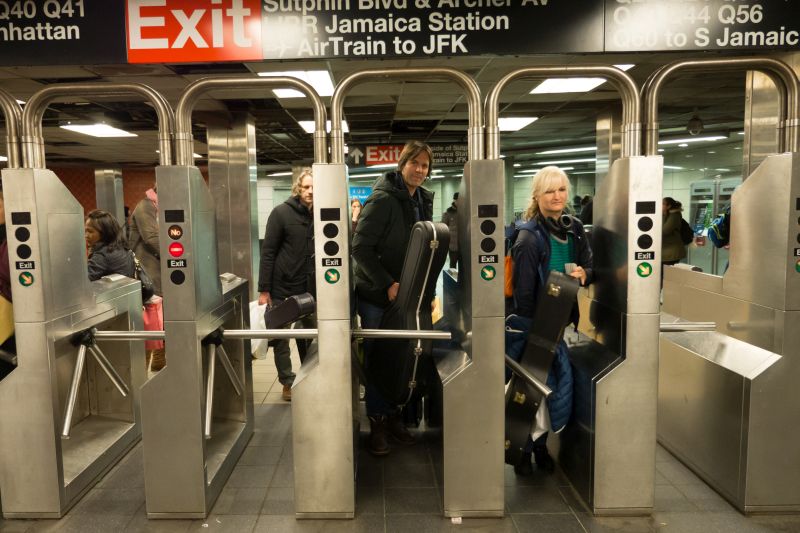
point(176, 263)
point(25, 265)
point(483, 259)
point(62, 32)
point(644, 256)
point(331, 262)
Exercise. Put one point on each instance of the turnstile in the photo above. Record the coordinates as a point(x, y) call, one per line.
point(43, 473)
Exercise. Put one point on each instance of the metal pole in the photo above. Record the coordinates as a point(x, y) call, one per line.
point(401, 334)
point(13, 115)
point(33, 144)
point(270, 334)
point(528, 377)
point(785, 79)
point(226, 364)
point(192, 93)
point(72, 397)
point(108, 368)
point(108, 335)
point(283, 334)
point(688, 326)
point(211, 352)
point(631, 105)
point(475, 124)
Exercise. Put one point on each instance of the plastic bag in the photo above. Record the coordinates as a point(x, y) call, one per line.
point(258, 347)
point(153, 318)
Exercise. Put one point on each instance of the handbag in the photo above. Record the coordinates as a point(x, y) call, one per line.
point(147, 284)
point(153, 318)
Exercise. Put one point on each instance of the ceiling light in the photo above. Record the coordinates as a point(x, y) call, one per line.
point(436, 171)
point(197, 156)
point(660, 149)
point(98, 130)
point(683, 145)
point(3, 158)
point(385, 165)
point(572, 85)
point(320, 80)
point(517, 165)
point(739, 133)
point(673, 168)
point(569, 150)
point(532, 170)
point(21, 102)
point(694, 139)
point(565, 161)
point(722, 169)
point(308, 126)
point(278, 174)
point(711, 152)
point(370, 175)
point(514, 123)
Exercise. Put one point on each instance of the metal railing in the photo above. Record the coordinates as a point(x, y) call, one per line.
point(13, 117)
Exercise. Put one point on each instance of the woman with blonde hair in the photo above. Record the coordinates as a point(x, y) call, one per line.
point(550, 239)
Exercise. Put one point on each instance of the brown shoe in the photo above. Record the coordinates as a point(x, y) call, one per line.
point(287, 393)
point(158, 360)
point(398, 430)
point(378, 443)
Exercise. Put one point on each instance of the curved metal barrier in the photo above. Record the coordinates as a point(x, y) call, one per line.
point(13, 116)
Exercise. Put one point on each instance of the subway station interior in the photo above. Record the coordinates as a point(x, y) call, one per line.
point(685, 404)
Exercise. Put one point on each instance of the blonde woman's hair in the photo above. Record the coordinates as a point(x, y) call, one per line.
point(548, 178)
point(304, 172)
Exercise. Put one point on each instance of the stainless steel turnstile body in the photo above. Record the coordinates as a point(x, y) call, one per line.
point(322, 394)
point(608, 448)
point(185, 469)
point(728, 400)
point(472, 378)
point(42, 474)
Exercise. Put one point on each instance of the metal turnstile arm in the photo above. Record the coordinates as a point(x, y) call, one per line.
point(211, 352)
point(109, 369)
point(73, 390)
point(528, 377)
point(226, 364)
point(687, 326)
point(402, 334)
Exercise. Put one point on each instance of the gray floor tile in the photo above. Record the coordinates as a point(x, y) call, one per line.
point(370, 500)
point(408, 475)
point(251, 476)
point(661, 480)
point(288, 524)
point(15, 526)
point(88, 523)
point(705, 498)
point(670, 499)
point(98, 502)
point(677, 474)
point(237, 500)
point(541, 499)
point(260, 455)
point(425, 523)
point(616, 524)
point(538, 478)
point(412, 501)
point(283, 477)
point(703, 522)
point(279, 501)
point(787, 523)
point(140, 524)
point(225, 524)
point(547, 523)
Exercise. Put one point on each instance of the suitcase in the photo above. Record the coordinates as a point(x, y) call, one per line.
point(398, 368)
point(553, 309)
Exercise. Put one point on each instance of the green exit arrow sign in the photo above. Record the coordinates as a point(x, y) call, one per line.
point(644, 270)
point(332, 275)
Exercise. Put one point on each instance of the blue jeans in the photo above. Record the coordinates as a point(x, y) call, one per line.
point(371, 316)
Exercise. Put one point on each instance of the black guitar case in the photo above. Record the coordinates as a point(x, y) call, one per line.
point(289, 311)
point(553, 309)
point(396, 367)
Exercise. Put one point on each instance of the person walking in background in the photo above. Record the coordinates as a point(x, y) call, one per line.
point(8, 344)
point(355, 212)
point(397, 202)
point(672, 247)
point(450, 217)
point(587, 210)
point(287, 268)
point(143, 237)
point(108, 251)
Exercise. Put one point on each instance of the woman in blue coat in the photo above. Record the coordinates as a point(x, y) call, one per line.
point(549, 240)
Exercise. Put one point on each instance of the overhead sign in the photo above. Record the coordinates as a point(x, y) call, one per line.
point(389, 154)
point(62, 32)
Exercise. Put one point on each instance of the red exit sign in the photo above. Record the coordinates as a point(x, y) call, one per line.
point(383, 155)
point(174, 31)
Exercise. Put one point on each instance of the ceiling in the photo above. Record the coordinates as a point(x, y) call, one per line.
point(382, 112)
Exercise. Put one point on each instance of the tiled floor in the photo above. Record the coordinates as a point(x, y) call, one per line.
point(399, 493)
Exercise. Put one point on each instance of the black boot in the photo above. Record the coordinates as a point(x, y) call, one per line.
point(398, 430)
point(378, 443)
point(543, 460)
point(524, 466)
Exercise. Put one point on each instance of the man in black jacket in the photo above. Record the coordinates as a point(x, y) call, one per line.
point(287, 267)
point(397, 202)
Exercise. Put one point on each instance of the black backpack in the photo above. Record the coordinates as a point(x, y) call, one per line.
point(687, 234)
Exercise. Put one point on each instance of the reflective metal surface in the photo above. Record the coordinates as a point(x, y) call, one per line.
point(184, 472)
point(109, 194)
point(41, 474)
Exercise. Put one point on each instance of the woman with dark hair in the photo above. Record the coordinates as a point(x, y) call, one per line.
point(397, 202)
point(355, 209)
point(108, 253)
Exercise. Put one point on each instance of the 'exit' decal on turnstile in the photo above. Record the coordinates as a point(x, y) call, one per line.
point(332, 276)
point(644, 270)
point(488, 273)
point(26, 279)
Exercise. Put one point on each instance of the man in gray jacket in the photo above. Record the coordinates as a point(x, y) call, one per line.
point(287, 267)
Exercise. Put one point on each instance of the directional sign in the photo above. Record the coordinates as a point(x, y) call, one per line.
point(175, 249)
point(356, 155)
point(332, 276)
point(488, 273)
point(26, 279)
point(644, 270)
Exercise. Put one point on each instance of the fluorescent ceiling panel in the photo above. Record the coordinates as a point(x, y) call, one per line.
point(514, 123)
point(685, 140)
point(572, 85)
point(308, 126)
point(320, 80)
point(569, 150)
point(3, 158)
point(98, 130)
point(565, 161)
